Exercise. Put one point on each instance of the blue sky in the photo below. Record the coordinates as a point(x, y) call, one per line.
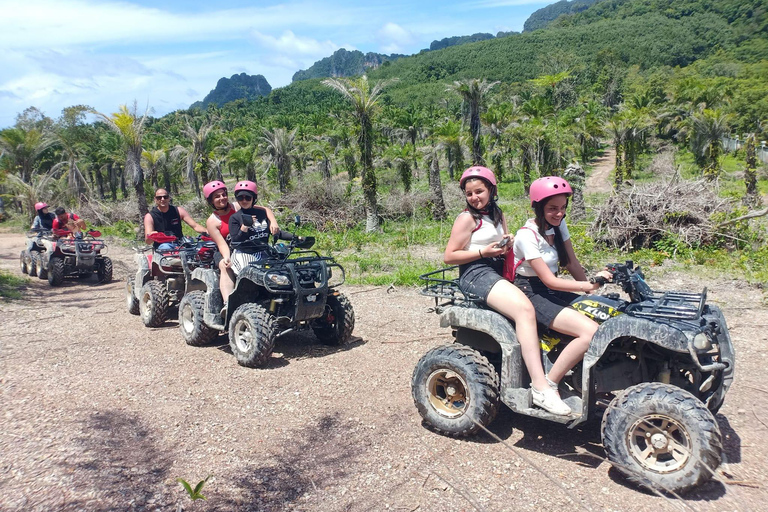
point(168, 54)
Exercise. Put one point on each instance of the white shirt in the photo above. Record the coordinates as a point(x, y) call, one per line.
point(529, 245)
point(484, 234)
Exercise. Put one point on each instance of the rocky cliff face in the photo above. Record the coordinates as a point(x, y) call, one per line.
point(236, 87)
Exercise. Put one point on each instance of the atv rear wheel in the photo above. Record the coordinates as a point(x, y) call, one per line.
point(456, 390)
point(55, 271)
point(131, 302)
point(153, 303)
point(252, 335)
point(104, 271)
point(661, 437)
point(23, 262)
point(193, 328)
point(42, 269)
point(337, 323)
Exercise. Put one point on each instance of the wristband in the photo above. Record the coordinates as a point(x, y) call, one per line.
point(480, 252)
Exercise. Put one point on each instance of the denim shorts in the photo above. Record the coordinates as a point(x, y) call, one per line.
point(547, 303)
point(477, 278)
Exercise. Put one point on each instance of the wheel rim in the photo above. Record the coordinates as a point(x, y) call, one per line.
point(243, 336)
point(187, 318)
point(659, 443)
point(145, 305)
point(129, 294)
point(448, 393)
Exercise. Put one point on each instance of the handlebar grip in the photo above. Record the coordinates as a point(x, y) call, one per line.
point(598, 279)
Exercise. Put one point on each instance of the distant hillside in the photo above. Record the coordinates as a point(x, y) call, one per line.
point(453, 41)
point(237, 87)
point(344, 63)
point(546, 15)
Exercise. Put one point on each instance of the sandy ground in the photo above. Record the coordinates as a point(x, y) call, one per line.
point(599, 179)
point(100, 413)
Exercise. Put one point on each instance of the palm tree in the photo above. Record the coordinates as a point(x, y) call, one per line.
point(472, 92)
point(197, 154)
point(617, 129)
point(130, 127)
point(432, 159)
point(363, 99)
point(452, 142)
point(154, 159)
point(22, 148)
point(707, 129)
point(751, 198)
point(40, 187)
point(280, 149)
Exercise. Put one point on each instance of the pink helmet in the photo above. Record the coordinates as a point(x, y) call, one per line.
point(212, 187)
point(477, 171)
point(246, 186)
point(39, 206)
point(548, 186)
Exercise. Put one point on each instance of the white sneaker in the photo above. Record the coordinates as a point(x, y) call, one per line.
point(549, 400)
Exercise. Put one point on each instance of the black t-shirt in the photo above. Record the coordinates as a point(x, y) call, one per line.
point(168, 222)
point(257, 235)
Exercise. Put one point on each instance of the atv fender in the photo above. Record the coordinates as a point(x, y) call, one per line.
point(207, 280)
point(727, 355)
point(488, 331)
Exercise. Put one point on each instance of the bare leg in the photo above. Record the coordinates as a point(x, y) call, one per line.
point(507, 299)
point(571, 322)
point(226, 281)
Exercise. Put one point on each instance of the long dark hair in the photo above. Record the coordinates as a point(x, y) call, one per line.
point(492, 209)
point(538, 208)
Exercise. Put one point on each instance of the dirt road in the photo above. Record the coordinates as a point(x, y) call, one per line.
point(100, 413)
point(599, 179)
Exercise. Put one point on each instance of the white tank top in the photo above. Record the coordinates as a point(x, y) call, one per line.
point(485, 233)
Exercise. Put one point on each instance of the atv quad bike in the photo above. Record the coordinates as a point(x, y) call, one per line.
point(31, 259)
point(657, 369)
point(161, 279)
point(290, 289)
point(71, 256)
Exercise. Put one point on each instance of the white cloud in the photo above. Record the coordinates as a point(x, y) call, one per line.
point(290, 43)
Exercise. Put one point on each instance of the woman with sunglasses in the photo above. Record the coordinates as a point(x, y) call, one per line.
point(217, 195)
point(252, 224)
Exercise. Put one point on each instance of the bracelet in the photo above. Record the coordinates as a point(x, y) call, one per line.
point(480, 252)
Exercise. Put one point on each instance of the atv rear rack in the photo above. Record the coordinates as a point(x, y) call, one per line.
point(674, 305)
point(439, 286)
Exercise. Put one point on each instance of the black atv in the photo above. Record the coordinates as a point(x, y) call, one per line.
point(161, 279)
point(291, 288)
point(657, 370)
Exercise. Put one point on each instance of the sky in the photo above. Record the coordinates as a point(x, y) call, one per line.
point(167, 54)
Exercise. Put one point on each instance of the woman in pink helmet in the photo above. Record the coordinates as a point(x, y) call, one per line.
point(217, 225)
point(43, 221)
point(479, 239)
point(252, 224)
point(543, 246)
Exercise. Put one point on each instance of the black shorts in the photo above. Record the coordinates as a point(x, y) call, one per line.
point(547, 303)
point(477, 278)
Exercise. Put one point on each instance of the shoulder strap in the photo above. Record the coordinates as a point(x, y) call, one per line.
point(510, 273)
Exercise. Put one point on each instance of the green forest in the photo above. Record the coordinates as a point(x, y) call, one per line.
point(371, 162)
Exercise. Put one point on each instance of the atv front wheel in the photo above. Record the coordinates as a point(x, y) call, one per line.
point(456, 390)
point(337, 323)
point(55, 271)
point(252, 335)
point(42, 269)
point(33, 263)
point(193, 328)
point(153, 303)
point(131, 302)
point(104, 271)
point(23, 262)
point(661, 437)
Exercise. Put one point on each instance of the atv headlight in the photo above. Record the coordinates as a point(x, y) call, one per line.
point(279, 279)
point(701, 342)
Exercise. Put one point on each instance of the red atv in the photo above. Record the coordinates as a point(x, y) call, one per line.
point(163, 273)
point(74, 256)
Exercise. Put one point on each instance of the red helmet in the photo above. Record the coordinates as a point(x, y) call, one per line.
point(39, 206)
point(212, 187)
point(248, 186)
point(477, 171)
point(548, 186)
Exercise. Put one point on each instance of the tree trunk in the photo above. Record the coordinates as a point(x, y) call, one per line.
point(166, 178)
point(619, 178)
point(474, 128)
point(123, 186)
point(576, 177)
point(435, 185)
point(99, 181)
point(133, 167)
point(369, 176)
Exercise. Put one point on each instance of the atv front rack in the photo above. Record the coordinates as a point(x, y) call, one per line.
point(673, 305)
point(438, 285)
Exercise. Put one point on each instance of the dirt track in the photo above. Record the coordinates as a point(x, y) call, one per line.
point(101, 413)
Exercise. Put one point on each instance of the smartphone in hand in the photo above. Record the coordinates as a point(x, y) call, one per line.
point(503, 242)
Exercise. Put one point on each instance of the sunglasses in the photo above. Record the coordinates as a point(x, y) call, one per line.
point(162, 197)
point(245, 197)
